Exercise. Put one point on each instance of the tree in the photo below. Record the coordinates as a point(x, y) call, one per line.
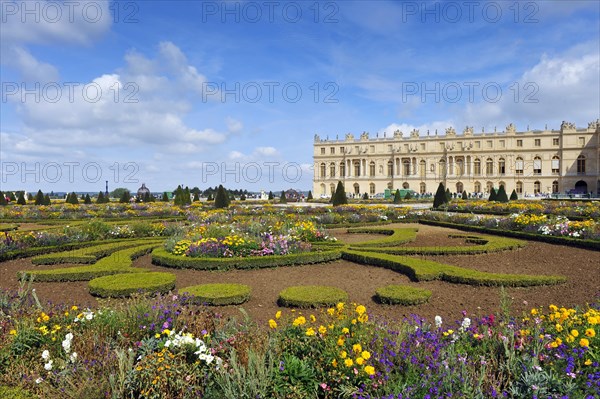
point(501, 195)
point(365, 196)
point(309, 196)
point(243, 197)
point(11, 196)
point(165, 197)
point(72, 199)
point(464, 194)
point(210, 198)
point(493, 195)
point(87, 200)
point(47, 200)
point(282, 198)
point(21, 199)
point(3, 199)
point(197, 196)
point(118, 192)
point(408, 195)
point(125, 197)
point(100, 199)
point(448, 195)
point(514, 196)
point(339, 197)
point(39, 198)
point(397, 196)
point(271, 195)
point(221, 199)
point(440, 197)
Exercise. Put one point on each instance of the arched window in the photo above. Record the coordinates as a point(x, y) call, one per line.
point(332, 188)
point(477, 187)
point(422, 188)
point(460, 167)
point(519, 166)
point(489, 167)
point(581, 165)
point(501, 167)
point(390, 186)
point(422, 168)
point(489, 186)
point(555, 165)
point(406, 167)
point(342, 169)
point(459, 188)
point(372, 188)
point(323, 189)
point(405, 185)
point(477, 167)
point(357, 168)
point(390, 168)
point(332, 169)
point(555, 187)
point(537, 166)
point(519, 187)
point(372, 169)
point(323, 171)
point(502, 184)
point(451, 165)
point(537, 187)
point(442, 168)
point(356, 189)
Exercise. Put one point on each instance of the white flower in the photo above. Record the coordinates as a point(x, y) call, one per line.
point(466, 323)
point(438, 321)
point(73, 357)
point(39, 380)
point(46, 355)
point(69, 336)
point(89, 316)
point(48, 366)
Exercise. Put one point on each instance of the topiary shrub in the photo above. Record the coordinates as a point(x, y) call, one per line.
point(124, 285)
point(464, 195)
point(402, 295)
point(271, 197)
point(218, 294)
point(282, 198)
point(221, 198)
point(311, 296)
point(125, 197)
point(501, 195)
point(397, 196)
point(493, 196)
point(440, 197)
point(408, 195)
point(39, 198)
point(339, 197)
point(3, 199)
point(309, 196)
point(513, 196)
point(21, 199)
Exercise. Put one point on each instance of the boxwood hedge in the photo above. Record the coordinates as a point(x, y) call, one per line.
point(120, 286)
point(218, 294)
point(163, 258)
point(402, 295)
point(425, 270)
point(309, 296)
point(396, 236)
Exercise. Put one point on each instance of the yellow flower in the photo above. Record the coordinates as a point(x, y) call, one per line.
point(569, 339)
point(575, 333)
point(584, 343)
point(534, 312)
point(360, 361)
point(157, 335)
point(299, 321)
point(345, 330)
point(340, 341)
point(322, 329)
point(366, 355)
point(340, 306)
point(330, 311)
point(357, 348)
point(312, 318)
point(74, 308)
point(590, 332)
point(334, 363)
point(360, 309)
point(559, 328)
point(370, 370)
point(363, 318)
point(343, 354)
point(272, 324)
point(278, 314)
point(310, 331)
point(587, 362)
point(348, 362)
point(353, 321)
point(13, 332)
point(166, 331)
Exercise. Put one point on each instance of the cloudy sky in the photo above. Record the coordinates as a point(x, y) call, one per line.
point(207, 92)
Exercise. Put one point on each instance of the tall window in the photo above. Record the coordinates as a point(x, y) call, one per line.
point(372, 188)
point(422, 168)
point(555, 165)
point(537, 187)
point(342, 169)
point(519, 187)
point(489, 167)
point(502, 167)
point(477, 168)
point(519, 143)
point(519, 166)
point(372, 168)
point(390, 168)
point(460, 166)
point(406, 167)
point(422, 188)
point(332, 169)
point(477, 187)
point(581, 165)
point(332, 150)
point(357, 168)
point(323, 170)
point(322, 150)
point(537, 142)
point(442, 167)
point(555, 187)
point(537, 166)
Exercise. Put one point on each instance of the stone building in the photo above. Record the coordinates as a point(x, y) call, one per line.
point(532, 162)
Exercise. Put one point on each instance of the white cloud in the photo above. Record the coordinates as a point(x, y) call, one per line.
point(266, 151)
point(233, 125)
point(29, 67)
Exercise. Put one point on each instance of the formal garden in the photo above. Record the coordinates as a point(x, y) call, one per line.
point(476, 299)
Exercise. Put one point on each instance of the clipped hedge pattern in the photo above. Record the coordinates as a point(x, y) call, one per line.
point(402, 295)
point(426, 270)
point(396, 236)
point(117, 263)
point(218, 294)
point(311, 296)
point(161, 257)
point(484, 244)
point(121, 286)
point(89, 254)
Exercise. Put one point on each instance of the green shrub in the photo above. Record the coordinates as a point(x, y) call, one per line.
point(163, 258)
point(440, 197)
point(501, 195)
point(394, 237)
point(309, 196)
point(282, 198)
point(221, 198)
point(117, 263)
point(426, 270)
point(514, 196)
point(21, 199)
point(339, 197)
point(402, 295)
point(218, 294)
point(311, 296)
point(120, 286)
point(39, 198)
point(15, 393)
point(397, 196)
point(493, 195)
point(3, 199)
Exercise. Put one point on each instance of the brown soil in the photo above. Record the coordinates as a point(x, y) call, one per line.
point(581, 267)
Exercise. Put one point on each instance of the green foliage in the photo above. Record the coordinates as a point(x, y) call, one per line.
point(514, 196)
point(408, 195)
point(440, 197)
point(3, 199)
point(339, 197)
point(11, 196)
point(119, 286)
point(394, 237)
point(15, 393)
point(102, 199)
point(402, 295)
point(87, 199)
point(308, 296)
point(365, 196)
point(221, 199)
point(39, 198)
point(309, 196)
point(125, 197)
point(448, 195)
point(163, 258)
point(271, 197)
point(501, 195)
point(21, 200)
point(464, 195)
point(118, 192)
point(47, 200)
point(397, 196)
point(218, 294)
point(426, 270)
point(282, 198)
point(165, 197)
point(493, 195)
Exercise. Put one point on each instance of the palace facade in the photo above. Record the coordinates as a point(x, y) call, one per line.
point(532, 162)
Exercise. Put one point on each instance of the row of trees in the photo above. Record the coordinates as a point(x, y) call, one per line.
point(443, 196)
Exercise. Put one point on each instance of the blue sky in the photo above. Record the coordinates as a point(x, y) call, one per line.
point(208, 92)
